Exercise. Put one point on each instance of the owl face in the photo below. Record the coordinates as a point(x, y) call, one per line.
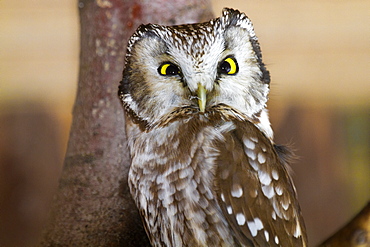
point(196, 66)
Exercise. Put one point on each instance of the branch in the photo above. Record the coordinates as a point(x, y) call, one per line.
point(355, 233)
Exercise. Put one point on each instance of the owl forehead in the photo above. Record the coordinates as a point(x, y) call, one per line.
point(194, 40)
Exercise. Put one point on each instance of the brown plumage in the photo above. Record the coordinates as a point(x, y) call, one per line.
point(205, 170)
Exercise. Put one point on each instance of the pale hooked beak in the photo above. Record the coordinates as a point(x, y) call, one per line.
point(201, 92)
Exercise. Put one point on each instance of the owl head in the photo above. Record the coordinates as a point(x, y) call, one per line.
point(195, 66)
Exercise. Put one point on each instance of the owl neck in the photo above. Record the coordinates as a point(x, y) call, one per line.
point(217, 112)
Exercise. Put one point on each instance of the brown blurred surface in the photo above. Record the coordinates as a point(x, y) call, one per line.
point(318, 54)
point(30, 162)
point(355, 234)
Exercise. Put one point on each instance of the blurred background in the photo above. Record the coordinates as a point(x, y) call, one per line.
point(318, 54)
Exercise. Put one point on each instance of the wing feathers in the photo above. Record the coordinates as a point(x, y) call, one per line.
point(255, 191)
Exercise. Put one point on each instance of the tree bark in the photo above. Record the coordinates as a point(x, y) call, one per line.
point(93, 206)
point(355, 233)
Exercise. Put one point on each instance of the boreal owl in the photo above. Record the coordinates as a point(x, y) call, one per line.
point(205, 170)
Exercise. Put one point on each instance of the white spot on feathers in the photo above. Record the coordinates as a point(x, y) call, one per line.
point(261, 158)
point(249, 144)
point(285, 205)
point(236, 191)
point(222, 197)
point(267, 235)
point(254, 139)
point(229, 209)
point(250, 153)
point(264, 177)
point(254, 164)
point(297, 233)
point(273, 215)
point(268, 191)
point(278, 190)
point(240, 218)
point(254, 226)
point(275, 174)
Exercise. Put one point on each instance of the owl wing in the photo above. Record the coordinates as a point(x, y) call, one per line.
point(255, 191)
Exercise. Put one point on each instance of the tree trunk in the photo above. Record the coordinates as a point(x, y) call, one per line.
point(93, 206)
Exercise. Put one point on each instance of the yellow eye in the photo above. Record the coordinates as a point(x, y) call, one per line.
point(168, 69)
point(229, 66)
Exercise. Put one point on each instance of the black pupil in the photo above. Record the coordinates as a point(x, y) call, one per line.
point(225, 67)
point(172, 70)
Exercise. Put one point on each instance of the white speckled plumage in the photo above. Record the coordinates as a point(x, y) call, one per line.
point(209, 177)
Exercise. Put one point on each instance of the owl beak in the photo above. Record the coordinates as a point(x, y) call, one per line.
point(201, 97)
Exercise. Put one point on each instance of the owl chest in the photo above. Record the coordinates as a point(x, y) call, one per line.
point(172, 182)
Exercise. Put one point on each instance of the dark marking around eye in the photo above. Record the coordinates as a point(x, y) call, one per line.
point(168, 69)
point(228, 66)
